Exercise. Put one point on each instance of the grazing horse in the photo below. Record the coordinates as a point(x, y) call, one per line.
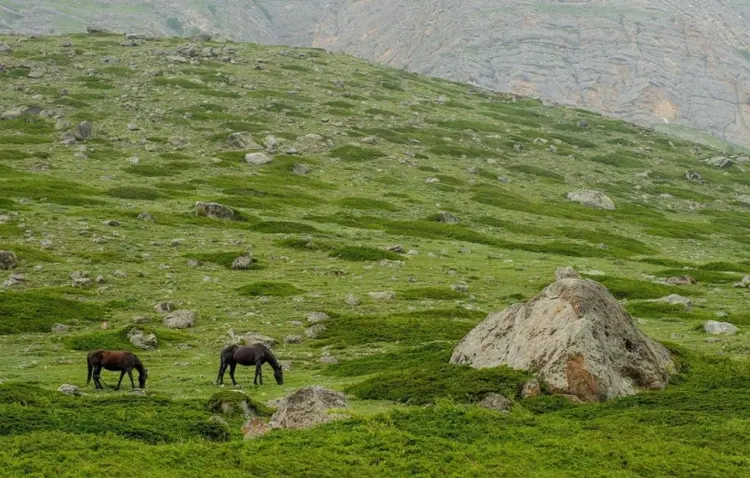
point(257, 355)
point(124, 362)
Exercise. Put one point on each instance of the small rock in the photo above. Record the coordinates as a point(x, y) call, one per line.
point(720, 328)
point(382, 295)
point(8, 260)
point(315, 331)
point(328, 360)
point(213, 210)
point(369, 140)
point(496, 402)
point(119, 274)
point(676, 299)
point(531, 389)
point(252, 338)
point(693, 176)
point(142, 341)
point(447, 218)
point(293, 339)
point(301, 169)
point(164, 307)
point(180, 319)
point(257, 159)
point(69, 390)
point(60, 328)
point(111, 223)
point(242, 140)
point(352, 300)
point(254, 428)
point(242, 263)
point(681, 280)
point(144, 216)
point(593, 199)
point(316, 317)
point(398, 249)
point(460, 288)
point(719, 162)
point(432, 180)
point(141, 320)
point(82, 282)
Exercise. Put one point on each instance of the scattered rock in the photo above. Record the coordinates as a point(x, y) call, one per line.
point(328, 360)
point(164, 307)
point(496, 402)
point(5, 48)
point(213, 210)
point(190, 50)
point(460, 288)
point(144, 216)
point(111, 223)
point(180, 319)
point(719, 162)
point(242, 263)
point(8, 260)
point(369, 140)
point(676, 299)
point(307, 407)
point(254, 428)
point(301, 169)
point(681, 280)
point(252, 338)
point(720, 328)
point(272, 144)
point(432, 180)
point(593, 199)
point(242, 140)
point(257, 159)
point(82, 282)
point(316, 317)
point(382, 295)
point(315, 331)
point(557, 334)
point(133, 127)
point(68, 389)
point(10, 115)
point(352, 300)
point(566, 273)
point(447, 218)
point(140, 340)
point(398, 249)
point(693, 176)
point(84, 131)
point(60, 328)
point(293, 339)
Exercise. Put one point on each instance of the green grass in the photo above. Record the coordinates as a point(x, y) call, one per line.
point(353, 153)
point(136, 192)
point(118, 339)
point(422, 386)
point(283, 227)
point(224, 259)
point(363, 254)
point(273, 289)
point(626, 288)
point(430, 293)
point(39, 310)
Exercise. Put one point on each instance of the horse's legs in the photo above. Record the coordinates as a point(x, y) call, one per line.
point(258, 373)
point(122, 374)
point(232, 366)
point(130, 375)
point(97, 375)
point(220, 378)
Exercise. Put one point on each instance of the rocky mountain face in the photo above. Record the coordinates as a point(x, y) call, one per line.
point(681, 65)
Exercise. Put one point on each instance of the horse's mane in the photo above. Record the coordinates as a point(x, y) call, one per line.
point(269, 356)
point(138, 365)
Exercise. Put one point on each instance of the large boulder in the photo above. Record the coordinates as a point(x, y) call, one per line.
point(577, 337)
point(593, 199)
point(720, 328)
point(213, 210)
point(180, 319)
point(142, 340)
point(252, 338)
point(307, 407)
point(8, 260)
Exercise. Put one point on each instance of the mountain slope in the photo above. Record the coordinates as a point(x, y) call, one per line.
point(683, 66)
point(402, 208)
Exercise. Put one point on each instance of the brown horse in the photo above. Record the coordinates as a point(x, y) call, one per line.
point(257, 355)
point(124, 362)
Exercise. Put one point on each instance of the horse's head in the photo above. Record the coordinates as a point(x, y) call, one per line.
point(142, 378)
point(278, 374)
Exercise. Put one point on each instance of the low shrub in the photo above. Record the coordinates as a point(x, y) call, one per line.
point(275, 289)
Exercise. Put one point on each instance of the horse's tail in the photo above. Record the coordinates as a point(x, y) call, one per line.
point(91, 368)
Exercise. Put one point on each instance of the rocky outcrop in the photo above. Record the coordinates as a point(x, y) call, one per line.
point(593, 199)
point(307, 407)
point(577, 337)
point(180, 319)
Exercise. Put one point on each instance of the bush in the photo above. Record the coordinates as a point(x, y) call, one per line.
point(275, 289)
point(420, 386)
point(363, 254)
point(37, 311)
point(136, 192)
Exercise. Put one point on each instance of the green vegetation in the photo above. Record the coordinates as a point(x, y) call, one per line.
point(38, 311)
point(318, 237)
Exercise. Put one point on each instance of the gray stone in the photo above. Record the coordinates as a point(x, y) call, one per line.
point(556, 334)
point(301, 169)
point(293, 339)
point(447, 218)
point(68, 389)
point(316, 317)
point(719, 162)
point(382, 295)
point(257, 159)
point(242, 263)
point(720, 328)
point(10, 115)
point(164, 307)
point(252, 338)
point(496, 402)
point(180, 319)
point(60, 328)
point(352, 300)
point(307, 407)
point(213, 210)
point(593, 199)
point(676, 299)
point(242, 140)
point(315, 331)
point(8, 260)
point(141, 340)
point(531, 389)
point(144, 216)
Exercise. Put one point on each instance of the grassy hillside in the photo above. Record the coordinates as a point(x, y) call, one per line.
point(367, 158)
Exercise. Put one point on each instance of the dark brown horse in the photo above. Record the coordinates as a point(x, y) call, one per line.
point(257, 355)
point(124, 362)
